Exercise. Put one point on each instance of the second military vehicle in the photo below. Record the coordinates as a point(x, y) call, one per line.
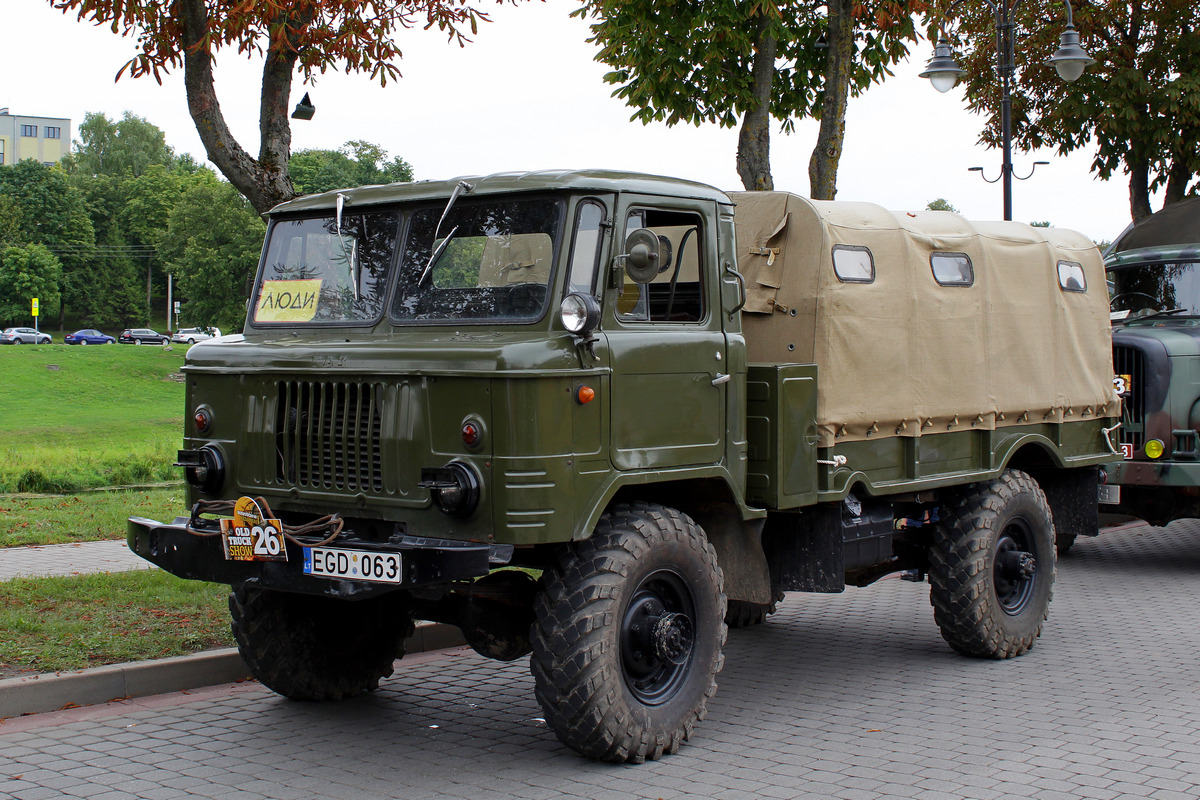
point(1154, 271)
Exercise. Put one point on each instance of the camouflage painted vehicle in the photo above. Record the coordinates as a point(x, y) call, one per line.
point(583, 418)
point(1154, 275)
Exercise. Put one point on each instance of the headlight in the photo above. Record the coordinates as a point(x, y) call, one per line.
point(1154, 448)
point(453, 488)
point(203, 468)
point(580, 313)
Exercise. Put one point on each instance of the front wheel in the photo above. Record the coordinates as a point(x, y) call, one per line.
point(628, 635)
point(307, 647)
point(992, 568)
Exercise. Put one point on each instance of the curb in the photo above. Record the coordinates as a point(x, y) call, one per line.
point(53, 691)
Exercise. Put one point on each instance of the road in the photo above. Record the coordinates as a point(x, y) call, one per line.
point(837, 696)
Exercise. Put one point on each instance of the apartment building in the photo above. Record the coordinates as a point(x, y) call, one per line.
point(46, 139)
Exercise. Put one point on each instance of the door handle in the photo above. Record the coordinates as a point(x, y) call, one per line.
point(717, 381)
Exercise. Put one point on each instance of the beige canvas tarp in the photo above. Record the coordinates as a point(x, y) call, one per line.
point(905, 355)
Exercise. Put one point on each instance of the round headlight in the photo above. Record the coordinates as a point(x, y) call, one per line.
point(580, 312)
point(1154, 449)
point(454, 488)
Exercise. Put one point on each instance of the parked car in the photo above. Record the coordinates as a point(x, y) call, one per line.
point(23, 336)
point(143, 336)
point(88, 336)
point(193, 335)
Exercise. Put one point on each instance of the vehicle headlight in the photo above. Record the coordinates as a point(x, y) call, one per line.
point(453, 488)
point(1154, 449)
point(203, 468)
point(580, 313)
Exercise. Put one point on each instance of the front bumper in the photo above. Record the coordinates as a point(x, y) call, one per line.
point(181, 552)
point(1156, 473)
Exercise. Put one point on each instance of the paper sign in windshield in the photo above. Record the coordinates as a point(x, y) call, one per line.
point(288, 301)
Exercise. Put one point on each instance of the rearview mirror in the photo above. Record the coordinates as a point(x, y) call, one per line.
point(644, 255)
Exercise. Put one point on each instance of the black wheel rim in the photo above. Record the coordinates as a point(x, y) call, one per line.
point(1014, 567)
point(658, 637)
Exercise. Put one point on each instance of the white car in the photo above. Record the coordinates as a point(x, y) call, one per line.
point(24, 336)
point(193, 335)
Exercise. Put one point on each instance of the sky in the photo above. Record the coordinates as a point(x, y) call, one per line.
point(527, 94)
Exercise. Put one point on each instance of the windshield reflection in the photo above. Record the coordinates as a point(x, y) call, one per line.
point(315, 272)
point(1147, 288)
point(494, 264)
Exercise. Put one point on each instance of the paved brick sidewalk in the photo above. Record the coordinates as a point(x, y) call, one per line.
point(851, 696)
point(69, 559)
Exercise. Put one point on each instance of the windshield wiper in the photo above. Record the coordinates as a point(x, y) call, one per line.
point(460, 189)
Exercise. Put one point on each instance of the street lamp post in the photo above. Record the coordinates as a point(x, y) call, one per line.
point(943, 72)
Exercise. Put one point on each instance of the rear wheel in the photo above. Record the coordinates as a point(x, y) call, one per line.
point(992, 568)
point(628, 635)
point(83, 341)
point(307, 647)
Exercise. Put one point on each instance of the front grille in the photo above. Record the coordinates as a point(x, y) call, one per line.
point(1130, 361)
point(327, 435)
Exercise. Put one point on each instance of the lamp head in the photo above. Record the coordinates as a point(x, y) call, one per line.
point(943, 71)
point(1070, 58)
point(304, 109)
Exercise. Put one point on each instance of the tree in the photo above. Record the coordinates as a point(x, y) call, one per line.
point(25, 273)
point(308, 36)
point(357, 163)
point(941, 204)
point(725, 60)
point(54, 214)
point(10, 222)
point(114, 298)
point(212, 246)
point(130, 146)
point(1139, 104)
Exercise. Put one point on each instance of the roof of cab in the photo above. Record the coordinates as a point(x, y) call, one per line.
point(504, 182)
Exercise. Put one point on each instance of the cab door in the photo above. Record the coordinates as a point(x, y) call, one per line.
point(666, 345)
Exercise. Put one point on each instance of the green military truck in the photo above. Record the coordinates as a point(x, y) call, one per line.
point(1152, 269)
point(594, 417)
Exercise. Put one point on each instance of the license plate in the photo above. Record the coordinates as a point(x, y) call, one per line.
point(355, 565)
point(1110, 494)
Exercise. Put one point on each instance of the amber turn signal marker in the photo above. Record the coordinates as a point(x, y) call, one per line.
point(584, 395)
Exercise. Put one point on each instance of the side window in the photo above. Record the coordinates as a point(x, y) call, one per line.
point(585, 248)
point(952, 269)
point(853, 263)
point(1070, 277)
point(676, 294)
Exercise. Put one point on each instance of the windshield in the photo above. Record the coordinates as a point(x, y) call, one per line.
point(1146, 288)
point(494, 262)
point(316, 272)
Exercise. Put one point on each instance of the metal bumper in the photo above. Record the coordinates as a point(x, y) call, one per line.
point(181, 552)
point(1156, 473)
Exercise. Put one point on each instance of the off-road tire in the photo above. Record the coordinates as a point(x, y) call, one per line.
point(743, 614)
point(605, 692)
point(984, 608)
point(306, 647)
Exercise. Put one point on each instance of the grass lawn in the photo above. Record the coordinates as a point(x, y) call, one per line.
point(51, 624)
point(85, 517)
point(76, 417)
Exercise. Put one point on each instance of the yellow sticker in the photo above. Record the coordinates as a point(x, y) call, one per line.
point(288, 301)
point(251, 537)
